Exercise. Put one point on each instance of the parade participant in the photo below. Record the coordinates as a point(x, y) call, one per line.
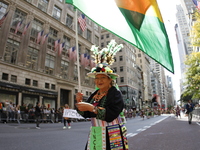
point(67, 119)
point(37, 114)
point(189, 108)
point(105, 104)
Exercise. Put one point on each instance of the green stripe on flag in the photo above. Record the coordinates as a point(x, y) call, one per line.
point(152, 37)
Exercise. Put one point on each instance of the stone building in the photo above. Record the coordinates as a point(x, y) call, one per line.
point(34, 70)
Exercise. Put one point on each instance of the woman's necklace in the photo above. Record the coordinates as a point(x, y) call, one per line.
point(99, 96)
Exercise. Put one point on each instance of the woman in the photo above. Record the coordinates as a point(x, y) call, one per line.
point(104, 107)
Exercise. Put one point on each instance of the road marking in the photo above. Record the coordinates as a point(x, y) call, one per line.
point(146, 127)
point(140, 129)
point(131, 135)
point(198, 123)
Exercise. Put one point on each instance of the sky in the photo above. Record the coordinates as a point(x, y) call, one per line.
point(168, 11)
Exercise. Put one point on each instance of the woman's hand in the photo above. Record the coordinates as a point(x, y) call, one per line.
point(83, 106)
point(79, 97)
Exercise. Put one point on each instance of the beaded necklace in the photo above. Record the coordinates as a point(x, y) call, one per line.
point(99, 96)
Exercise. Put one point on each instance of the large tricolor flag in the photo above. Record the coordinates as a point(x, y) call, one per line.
point(3, 18)
point(82, 22)
point(197, 3)
point(138, 22)
point(18, 26)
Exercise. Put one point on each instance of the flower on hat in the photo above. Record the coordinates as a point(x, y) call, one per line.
point(104, 58)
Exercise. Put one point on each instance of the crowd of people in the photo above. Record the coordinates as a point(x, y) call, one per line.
point(10, 112)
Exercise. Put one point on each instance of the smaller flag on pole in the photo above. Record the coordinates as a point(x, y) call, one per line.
point(39, 36)
point(25, 28)
point(82, 22)
point(83, 59)
point(45, 38)
point(197, 3)
point(56, 44)
point(3, 18)
point(72, 53)
point(61, 48)
point(18, 26)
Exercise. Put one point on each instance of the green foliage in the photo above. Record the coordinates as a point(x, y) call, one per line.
point(195, 32)
point(193, 75)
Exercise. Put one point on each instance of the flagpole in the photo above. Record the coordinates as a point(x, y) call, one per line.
point(77, 52)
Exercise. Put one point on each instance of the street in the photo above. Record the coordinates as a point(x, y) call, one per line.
point(158, 133)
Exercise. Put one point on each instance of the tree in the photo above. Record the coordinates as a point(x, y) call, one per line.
point(195, 32)
point(193, 75)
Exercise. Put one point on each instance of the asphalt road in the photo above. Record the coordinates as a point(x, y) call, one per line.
point(158, 133)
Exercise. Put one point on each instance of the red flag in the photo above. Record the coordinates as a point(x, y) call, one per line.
point(3, 18)
point(18, 26)
point(197, 3)
point(25, 29)
point(82, 22)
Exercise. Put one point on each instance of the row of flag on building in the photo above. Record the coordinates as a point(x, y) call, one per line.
point(197, 3)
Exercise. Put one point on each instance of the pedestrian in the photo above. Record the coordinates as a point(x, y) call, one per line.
point(104, 105)
point(189, 109)
point(178, 111)
point(68, 120)
point(37, 115)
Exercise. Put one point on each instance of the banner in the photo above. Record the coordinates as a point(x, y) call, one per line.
point(71, 113)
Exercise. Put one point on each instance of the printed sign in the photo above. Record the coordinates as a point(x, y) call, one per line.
point(71, 113)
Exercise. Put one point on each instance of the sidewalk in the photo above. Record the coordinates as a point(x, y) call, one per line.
point(170, 134)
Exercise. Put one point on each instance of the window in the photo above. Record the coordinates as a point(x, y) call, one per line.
point(53, 86)
point(57, 13)
point(49, 64)
point(13, 78)
point(107, 35)
point(102, 37)
point(32, 58)
point(96, 27)
point(51, 39)
point(37, 26)
point(121, 69)
point(121, 79)
point(43, 5)
point(5, 76)
point(28, 81)
point(89, 35)
point(115, 69)
point(120, 58)
point(64, 69)
point(139, 55)
point(11, 51)
point(3, 7)
point(17, 17)
point(69, 21)
point(35, 83)
point(102, 45)
point(47, 85)
point(96, 40)
point(75, 73)
point(29, 1)
point(67, 45)
point(115, 59)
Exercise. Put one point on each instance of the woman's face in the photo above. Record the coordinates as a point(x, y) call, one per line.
point(103, 81)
